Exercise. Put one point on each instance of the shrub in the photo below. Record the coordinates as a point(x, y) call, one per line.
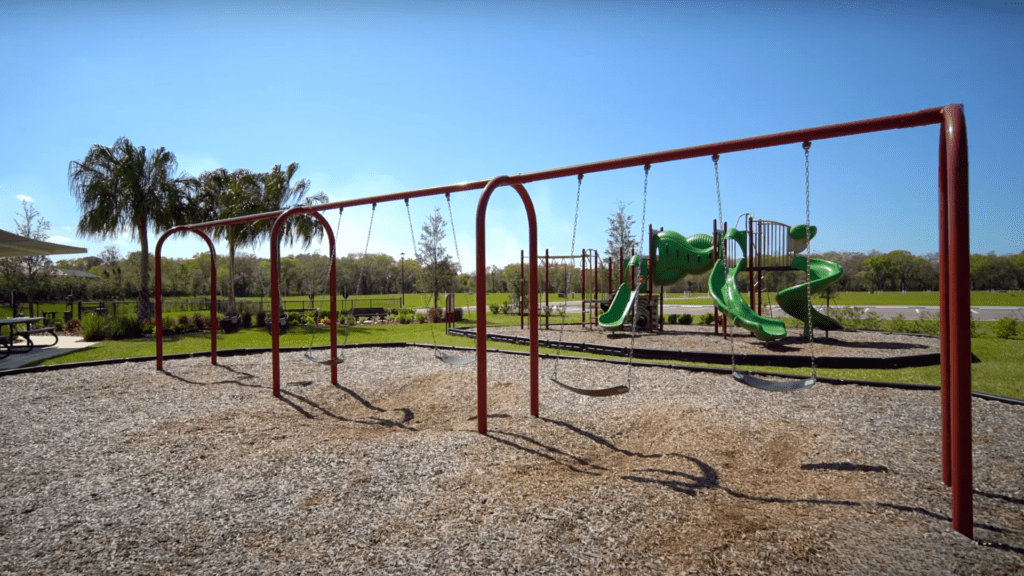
point(708, 319)
point(420, 318)
point(309, 319)
point(246, 319)
point(495, 308)
point(458, 315)
point(686, 319)
point(673, 318)
point(148, 327)
point(261, 318)
point(125, 327)
point(435, 315)
point(1006, 328)
point(95, 327)
point(899, 324)
point(294, 318)
point(58, 323)
point(184, 324)
point(201, 322)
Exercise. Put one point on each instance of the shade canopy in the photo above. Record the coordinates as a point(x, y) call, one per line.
point(14, 245)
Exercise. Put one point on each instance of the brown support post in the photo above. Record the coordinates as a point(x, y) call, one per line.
point(622, 266)
point(751, 263)
point(958, 318)
point(714, 260)
point(520, 289)
point(547, 292)
point(583, 289)
point(597, 287)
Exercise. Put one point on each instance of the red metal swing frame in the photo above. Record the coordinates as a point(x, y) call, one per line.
point(954, 272)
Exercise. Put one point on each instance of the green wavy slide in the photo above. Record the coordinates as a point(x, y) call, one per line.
point(794, 300)
point(726, 294)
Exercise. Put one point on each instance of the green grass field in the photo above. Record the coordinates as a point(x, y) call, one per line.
point(999, 372)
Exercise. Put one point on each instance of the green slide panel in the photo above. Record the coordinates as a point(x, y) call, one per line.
point(794, 300)
point(676, 256)
point(620, 309)
point(722, 288)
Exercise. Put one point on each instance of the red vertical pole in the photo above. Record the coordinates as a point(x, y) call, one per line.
point(725, 319)
point(583, 289)
point(714, 260)
point(622, 266)
point(958, 283)
point(521, 290)
point(751, 262)
point(597, 286)
point(650, 280)
point(547, 291)
point(944, 352)
point(481, 303)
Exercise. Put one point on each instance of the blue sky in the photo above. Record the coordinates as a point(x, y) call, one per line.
point(378, 97)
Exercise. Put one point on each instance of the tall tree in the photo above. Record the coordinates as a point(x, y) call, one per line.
point(220, 194)
point(123, 189)
point(29, 274)
point(620, 233)
point(437, 265)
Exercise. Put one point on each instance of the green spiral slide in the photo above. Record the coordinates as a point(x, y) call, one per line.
point(794, 300)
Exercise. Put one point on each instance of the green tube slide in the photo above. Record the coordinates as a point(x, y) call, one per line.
point(794, 300)
point(723, 290)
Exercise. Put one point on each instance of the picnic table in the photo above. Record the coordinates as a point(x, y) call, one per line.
point(10, 342)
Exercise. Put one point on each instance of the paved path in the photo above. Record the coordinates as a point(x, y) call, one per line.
point(64, 345)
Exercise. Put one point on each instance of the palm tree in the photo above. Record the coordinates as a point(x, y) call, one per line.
point(122, 189)
point(221, 194)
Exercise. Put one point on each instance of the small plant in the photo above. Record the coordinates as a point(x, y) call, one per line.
point(420, 318)
point(261, 318)
point(686, 319)
point(1006, 328)
point(673, 318)
point(246, 319)
point(148, 328)
point(95, 328)
point(707, 319)
point(183, 320)
point(458, 315)
point(309, 319)
point(900, 324)
point(435, 315)
point(294, 318)
point(495, 308)
point(74, 328)
point(201, 322)
point(58, 323)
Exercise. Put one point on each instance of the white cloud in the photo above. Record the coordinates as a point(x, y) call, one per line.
point(23, 198)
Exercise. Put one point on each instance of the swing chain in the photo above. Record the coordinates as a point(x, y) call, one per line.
point(412, 234)
point(807, 259)
point(451, 218)
point(572, 250)
point(636, 301)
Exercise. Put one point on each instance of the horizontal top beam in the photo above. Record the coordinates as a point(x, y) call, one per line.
point(909, 120)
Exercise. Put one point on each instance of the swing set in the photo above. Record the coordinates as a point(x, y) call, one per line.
point(954, 286)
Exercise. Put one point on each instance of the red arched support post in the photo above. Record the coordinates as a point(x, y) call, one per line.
point(481, 302)
point(158, 280)
point(275, 291)
point(955, 301)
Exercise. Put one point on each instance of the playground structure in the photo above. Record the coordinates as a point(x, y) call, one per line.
point(953, 275)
